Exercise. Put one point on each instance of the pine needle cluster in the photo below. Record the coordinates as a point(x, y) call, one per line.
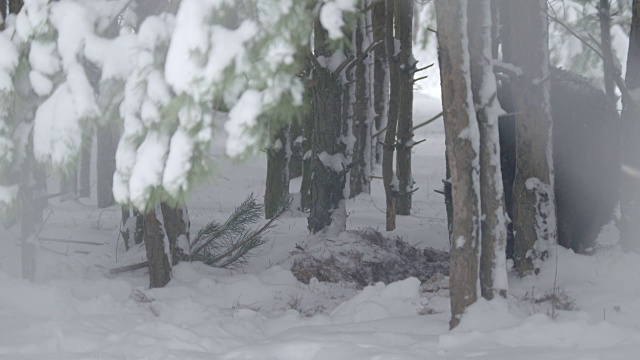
point(229, 244)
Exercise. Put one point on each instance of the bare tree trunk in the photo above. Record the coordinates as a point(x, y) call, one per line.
point(3, 13)
point(156, 243)
point(107, 144)
point(461, 135)
point(84, 176)
point(28, 217)
point(407, 66)
point(630, 181)
point(493, 262)
point(307, 145)
point(381, 74)
point(360, 172)
point(328, 150)
point(388, 176)
point(604, 14)
point(295, 142)
point(15, 6)
point(533, 189)
point(277, 186)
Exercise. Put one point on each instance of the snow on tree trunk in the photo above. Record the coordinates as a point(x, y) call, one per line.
point(176, 225)
point(380, 74)
point(388, 175)
point(328, 175)
point(533, 189)
point(157, 245)
point(493, 266)
point(277, 185)
point(359, 174)
point(462, 142)
point(630, 181)
point(406, 63)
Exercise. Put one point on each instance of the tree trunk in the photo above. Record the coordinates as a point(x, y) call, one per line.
point(604, 14)
point(380, 74)
point(28, 217)
point(107, 144)
point(360, 172)
point(157, 245)
point(307, 145)
point(84, 178)
point(407, 65)
point(388, 176)
point(295, 142)
point(3, 13)
point(461, 135)
point(534, 219)
point(328, 152)
point(493, 269)
point(15, 6)
point(277, 186)
point(630, 181)
point(176, 224)
point(69, 186)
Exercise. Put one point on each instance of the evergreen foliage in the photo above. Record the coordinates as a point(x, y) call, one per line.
point(229, 244)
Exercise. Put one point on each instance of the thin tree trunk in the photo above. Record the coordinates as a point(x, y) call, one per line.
point(28, 217)
point(84, 176)
point(307, 146)
point(533, 189)
point(107, 144)
point(407, 63)
point(156, 243)
point(388, 176)
point(359, 174)
point(381, 74)
point(604, 14)
point(461, 128)
point(493, 269)
point(630, 181)
point(277, 186)
point(328, 151)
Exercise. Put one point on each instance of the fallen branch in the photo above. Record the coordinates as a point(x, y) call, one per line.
point(122, 269)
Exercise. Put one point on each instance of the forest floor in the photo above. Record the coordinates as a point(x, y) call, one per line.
point(579, 307)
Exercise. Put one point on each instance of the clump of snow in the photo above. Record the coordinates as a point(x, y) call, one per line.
point(242, 117)
point(331, 16)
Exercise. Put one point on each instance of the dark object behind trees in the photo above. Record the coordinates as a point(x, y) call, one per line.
point(586, 142)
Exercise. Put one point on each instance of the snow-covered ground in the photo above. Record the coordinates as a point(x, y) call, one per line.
point(77, 310)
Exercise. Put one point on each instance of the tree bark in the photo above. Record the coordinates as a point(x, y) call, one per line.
point(493, 271)
point(461, 128)
point(388, 176)
point(328, 174)
point(533, 189)
point(604, 14)
point(630, 181)
point(107, 144)
point(360, 172)
point(155, 240)
point(380, 74)
point(277, 186)
point(407, 65)
point(176, 225)
point(295, 142)
point(84, 174)
point(15, 6)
